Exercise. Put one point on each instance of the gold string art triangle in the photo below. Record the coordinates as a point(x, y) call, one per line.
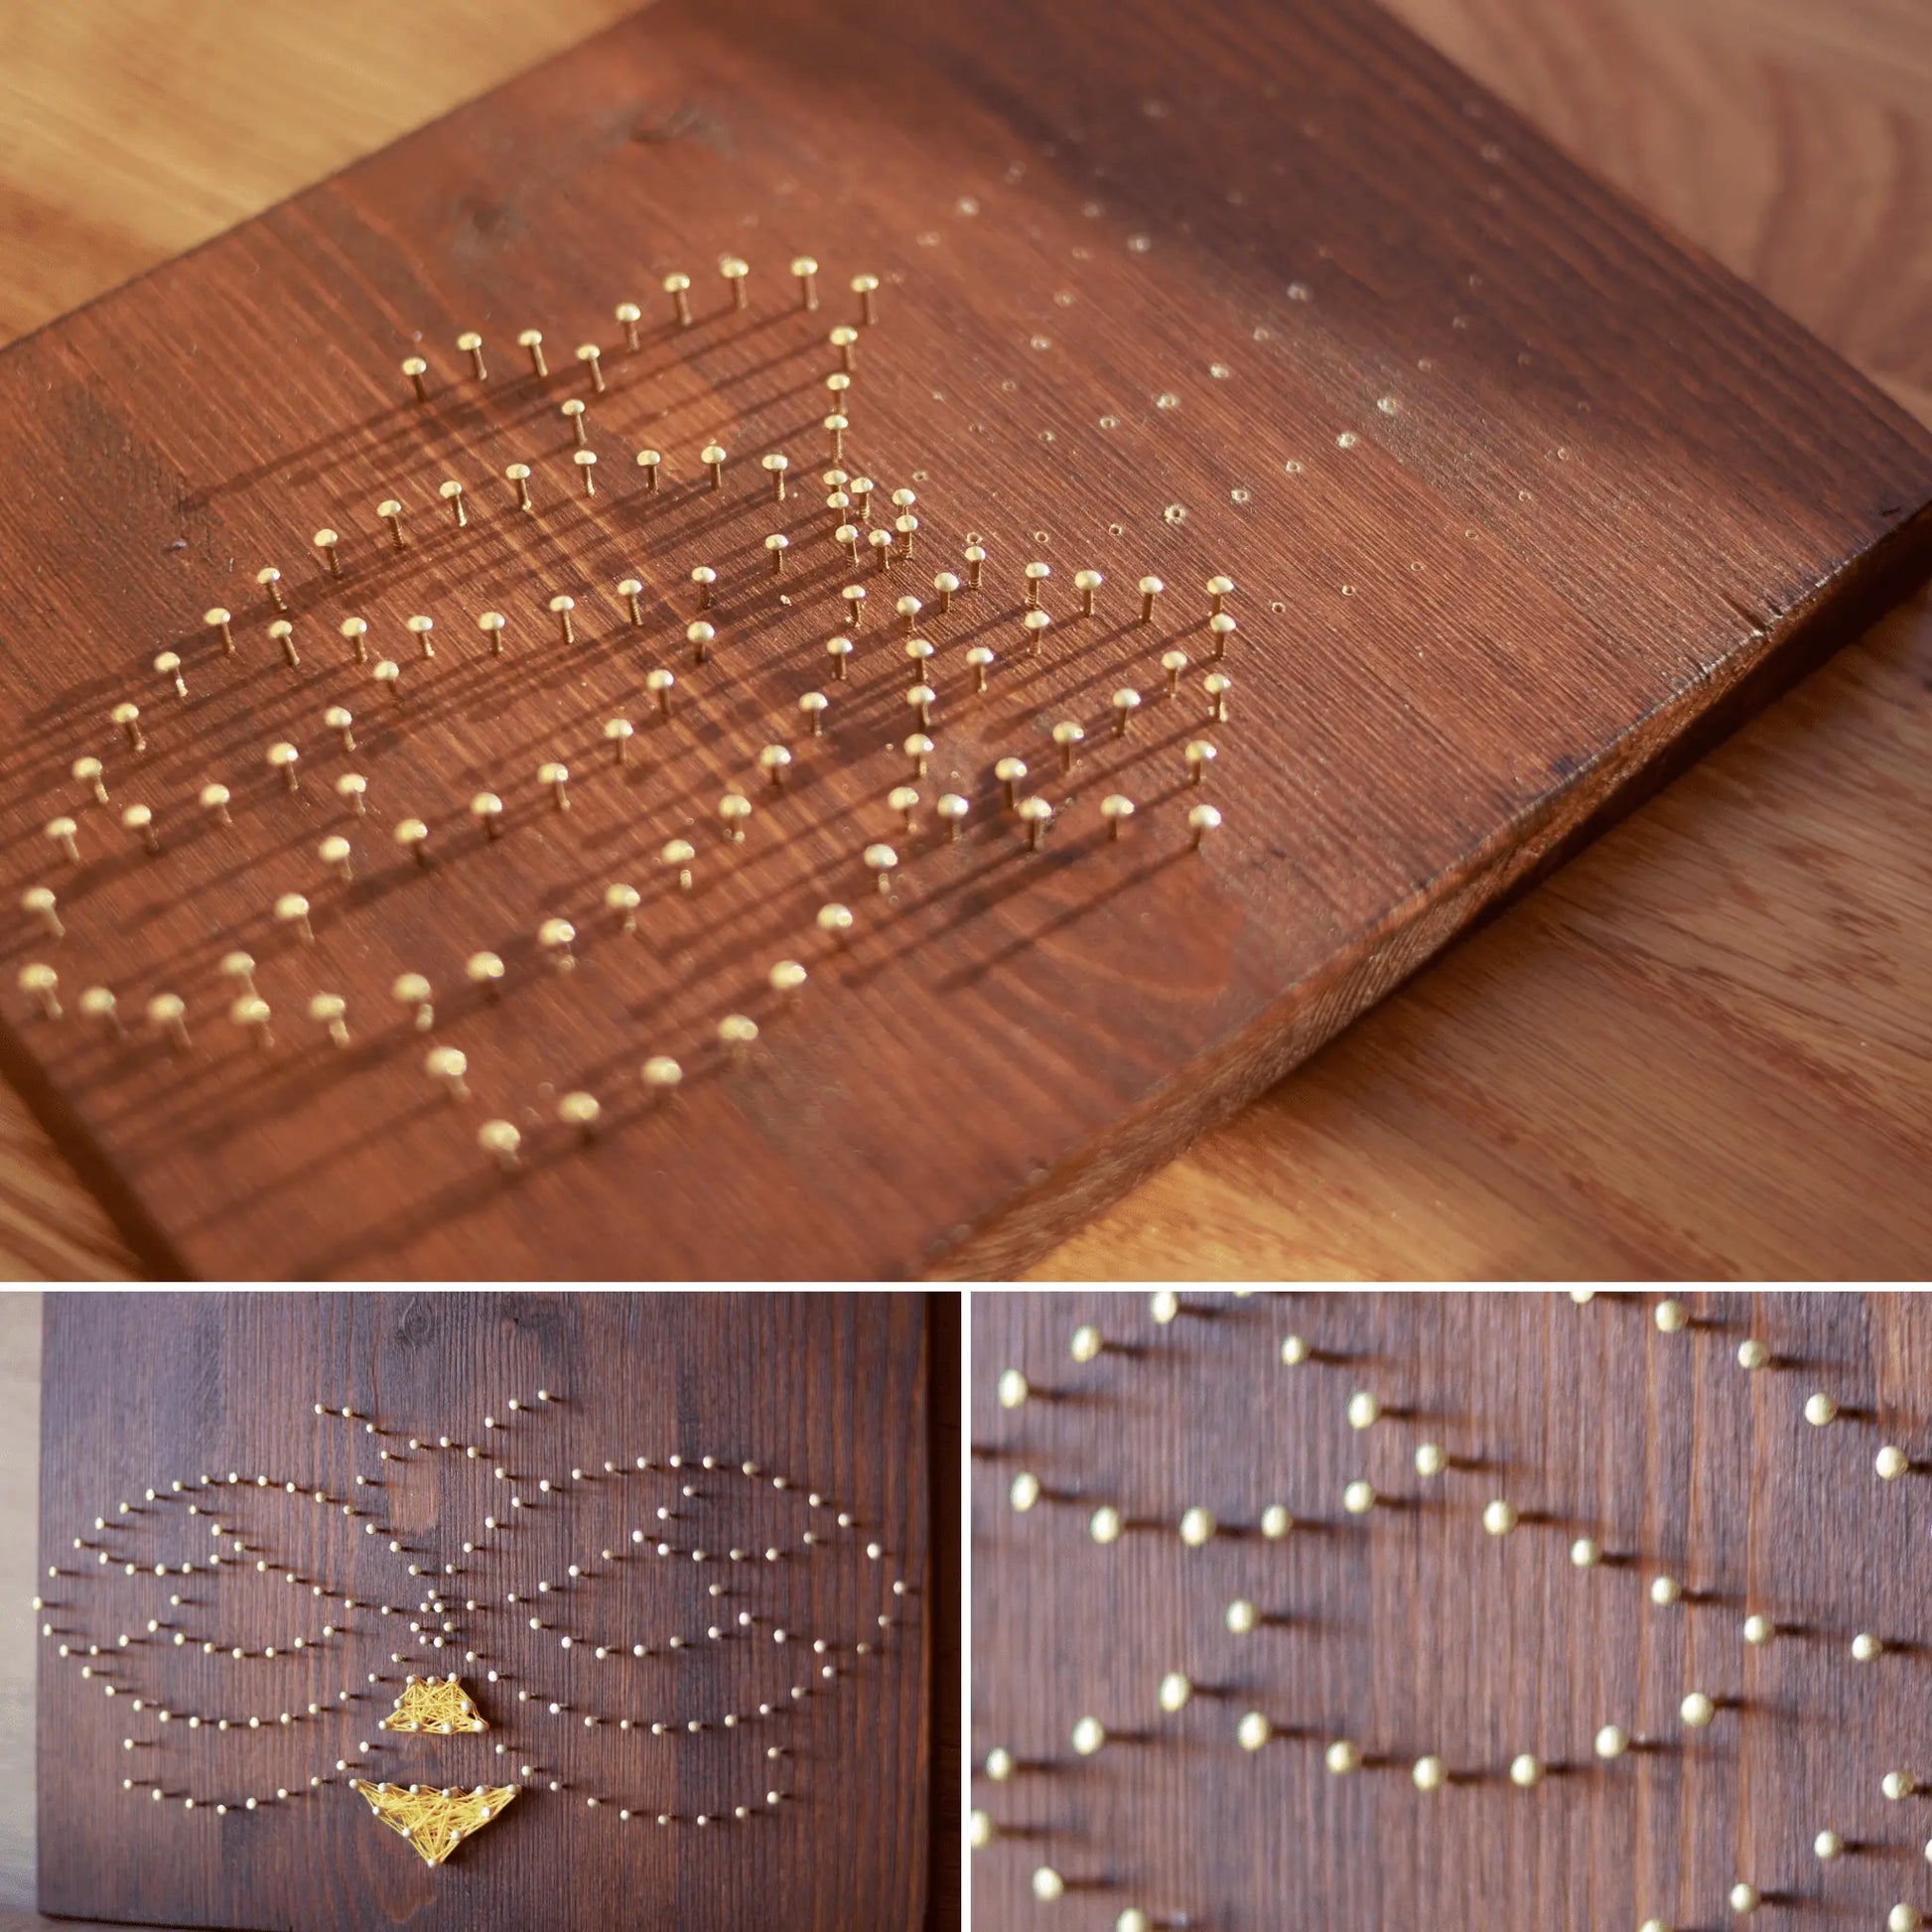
point(437, 1704)
point(435, 1821)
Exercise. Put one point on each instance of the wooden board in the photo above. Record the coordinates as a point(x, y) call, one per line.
point(1409, 1633)
point(826, 1396)
point(1402, 383)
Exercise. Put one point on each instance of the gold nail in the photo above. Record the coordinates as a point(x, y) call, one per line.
point(1221, 628)
point(632, 591)
point(918, 751)
point(952, 808)
point(41, 904)
point(855, 604)
point(835, 922)
point(532, 340)
point(420, 629)
point(327, 542)
point(517, 476)
point(738, 1033)
point(805, 273)
point(839, 651)
point(214, 799)
point(168, 665)
point(923, 697)
point(1217, 685)
point(1116, 811)
point(1173, 662)
point(712, 455)
point(628, 317)
point(882, 859)
point(1087, 583)
point(624, 900)
point(98, 1004)
point(700, 637)
point(881, 550)
point(353, 789)
point(1037, 814)
point(62, 831)
point(560, 607)
point(556, 937)
point(499, 1140)
point(774, 760)
point(87, 771)
point(283, 633)
point(648, 461)
point(357, 630)
point(860, 490)
point(908, 609)
point(774, 467)
point(166, 1014)
point(415, 368)
point(866, 287)
point(678, 288)
point(586, 462)
point(617, 734)
point(981, 659)
point(1034, 623)
point(218, 619)
point(705, 577)
point(293, 909)
point(390, 512)
point(239, 967)
point(1068, 737)
point(340, 720)
point(1219, 588)
point(40, 984)
point(1151, 588)
point(326, 1011)
point(574, 412)
point(835, 427)
point(413, 836)
point(593, 358)
point(452, 493)
point(947, 586)
point(775, 546)
point(491, 624)
point(814, 705)
point(282, 759)
point(484, 971)
point(735, 271)
point(270, 579)
point(734, 808)
point(1201, 820)
point(1201, 755)
point(337, 853)
point(677, 855)
point(974, 558)
point(903, 800)
point(447, 1065)
point(1010, 771)
point(557, 778)
point(388, 673)
point(128, 717)
point(470, 343)
point(581, 1111)
point(660, 1076)
point(487, 811)
point(412, 989)
point(658, 683)
point(846, 341)
point(1127, 701)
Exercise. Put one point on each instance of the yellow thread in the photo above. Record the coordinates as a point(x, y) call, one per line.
point(435, 1821)
point(438, 1704)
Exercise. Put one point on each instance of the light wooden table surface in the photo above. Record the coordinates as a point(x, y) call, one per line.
point(1705, 1047)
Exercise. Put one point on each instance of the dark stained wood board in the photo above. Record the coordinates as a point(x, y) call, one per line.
point(1611, 497)
point(1409, 1631)
point(829, 1393)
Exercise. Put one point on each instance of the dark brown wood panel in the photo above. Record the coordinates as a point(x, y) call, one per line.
point(827, 1396)
point(1519, 501)
point(1410, 1633)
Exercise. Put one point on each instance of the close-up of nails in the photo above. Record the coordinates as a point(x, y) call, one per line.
point(720, 640)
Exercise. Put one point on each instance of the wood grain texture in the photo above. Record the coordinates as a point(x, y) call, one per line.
point(1410, 1631)
point(830, 1390)
point(1434, 718)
